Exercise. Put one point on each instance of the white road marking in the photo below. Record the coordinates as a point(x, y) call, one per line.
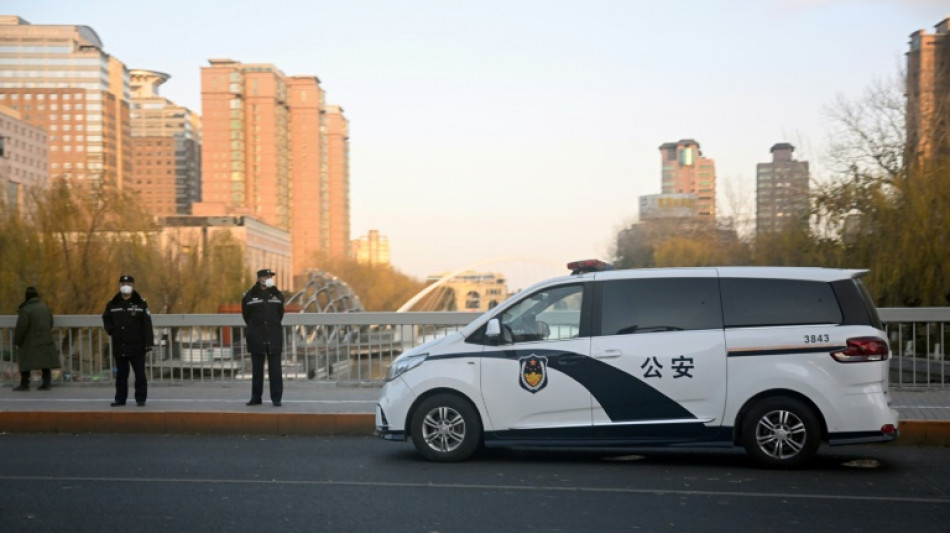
point(475, 486)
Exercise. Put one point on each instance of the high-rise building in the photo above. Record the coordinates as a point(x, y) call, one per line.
point(59, 77)
point(928, 93)
point(246, 140)
point(686, 171)
point(272, 149)
point(309, 172)
point(166, 148)
point(371, 249)
point(22, 157)
point(338, 192)
point(781, 191)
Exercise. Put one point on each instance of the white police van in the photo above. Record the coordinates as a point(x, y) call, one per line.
point(773, 359)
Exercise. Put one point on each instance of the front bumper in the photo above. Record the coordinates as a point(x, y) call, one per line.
point(382, 427)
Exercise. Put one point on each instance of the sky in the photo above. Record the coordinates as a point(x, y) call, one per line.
point(518, 135)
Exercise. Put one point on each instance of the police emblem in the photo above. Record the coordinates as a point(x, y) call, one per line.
point(534, 373)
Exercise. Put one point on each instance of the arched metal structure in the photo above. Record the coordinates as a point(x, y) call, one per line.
point(444, 279)
point(324, 293)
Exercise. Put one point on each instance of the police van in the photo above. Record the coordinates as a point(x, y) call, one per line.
point(773, 359)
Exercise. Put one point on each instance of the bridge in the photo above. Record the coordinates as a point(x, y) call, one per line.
point(356, 348)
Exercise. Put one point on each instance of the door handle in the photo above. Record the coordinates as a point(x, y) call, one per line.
point(568, 360)
point(609, 353)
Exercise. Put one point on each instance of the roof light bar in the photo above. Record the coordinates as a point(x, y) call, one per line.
point(588, 265)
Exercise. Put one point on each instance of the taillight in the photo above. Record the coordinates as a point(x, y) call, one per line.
point(862, 350)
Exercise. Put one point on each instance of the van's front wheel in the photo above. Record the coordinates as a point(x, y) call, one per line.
point(446, 428)
point(781, 433)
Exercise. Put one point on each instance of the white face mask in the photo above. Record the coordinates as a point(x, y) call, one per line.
point(125, 289)
point(269, 282)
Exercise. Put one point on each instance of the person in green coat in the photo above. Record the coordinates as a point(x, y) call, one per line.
point(33, 338)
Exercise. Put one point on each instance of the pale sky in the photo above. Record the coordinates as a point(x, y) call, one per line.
point(500, 129)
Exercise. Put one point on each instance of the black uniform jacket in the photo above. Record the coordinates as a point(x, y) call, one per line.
point(263, 309)
point(130, 325)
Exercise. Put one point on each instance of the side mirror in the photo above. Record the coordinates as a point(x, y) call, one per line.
point(493, 329)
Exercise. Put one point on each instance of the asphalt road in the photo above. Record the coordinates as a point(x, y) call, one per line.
point(55, 482)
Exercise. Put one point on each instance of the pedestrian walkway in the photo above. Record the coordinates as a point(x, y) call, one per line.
point(229, 397)
point(307, 408)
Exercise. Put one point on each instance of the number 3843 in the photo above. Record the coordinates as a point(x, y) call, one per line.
point(813, 339)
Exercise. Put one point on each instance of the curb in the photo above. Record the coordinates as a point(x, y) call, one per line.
point(205, 423)
point(912, 432)
point(924, 432)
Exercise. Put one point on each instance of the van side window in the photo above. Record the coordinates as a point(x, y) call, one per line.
point(549, 314)
point(778, 302)
point(631, 306)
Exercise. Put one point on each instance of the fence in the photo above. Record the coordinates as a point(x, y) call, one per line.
point(357, 348)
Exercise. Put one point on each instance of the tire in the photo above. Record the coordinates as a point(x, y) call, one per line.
point(781, 432)
point(446, 428)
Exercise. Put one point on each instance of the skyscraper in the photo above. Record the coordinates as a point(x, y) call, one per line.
point(309, 172)
point(928, 93)
point(246, 164)
point(166, 148)
point(781, 192)
point(338, 192)
point(22, 157)
point(60, 78)
point(686, 171)
point(272, 149)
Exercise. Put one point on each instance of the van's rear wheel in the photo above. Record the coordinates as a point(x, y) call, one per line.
point(781, 433)
point(446, 428)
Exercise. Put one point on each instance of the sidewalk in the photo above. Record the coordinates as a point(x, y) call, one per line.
point(308, 409)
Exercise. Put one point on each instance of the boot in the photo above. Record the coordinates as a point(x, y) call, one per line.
point(24, 382)
point(47, 380)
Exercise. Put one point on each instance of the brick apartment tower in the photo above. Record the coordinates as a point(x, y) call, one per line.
point(309, 173)
point(686, 171)
point(781, 192)
point(928, 93)
point(266, 153)
point(338, 194)
point(166, 148)
point(58, 77)
point(245, 167)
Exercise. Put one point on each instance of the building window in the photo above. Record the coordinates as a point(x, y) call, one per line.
point(473, 300)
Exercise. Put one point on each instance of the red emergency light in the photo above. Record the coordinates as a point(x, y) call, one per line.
point(588, 265)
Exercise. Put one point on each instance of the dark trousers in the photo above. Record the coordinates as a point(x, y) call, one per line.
point(25, 377)
point(273, 374)
point(122, 364)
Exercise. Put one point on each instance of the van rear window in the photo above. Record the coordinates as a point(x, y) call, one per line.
point(634, 306)
point(778, 302)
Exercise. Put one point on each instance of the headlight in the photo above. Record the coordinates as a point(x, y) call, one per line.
point(405, 364)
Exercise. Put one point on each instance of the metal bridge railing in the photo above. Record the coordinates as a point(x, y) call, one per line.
point(918, 337)
point(347, 348)
point(357, 348)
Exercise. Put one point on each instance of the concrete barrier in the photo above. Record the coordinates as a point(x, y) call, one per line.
point(328, 424)
point(912, 432)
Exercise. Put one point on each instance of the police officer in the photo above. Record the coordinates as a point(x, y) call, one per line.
point(263, 309)
point(129, 323)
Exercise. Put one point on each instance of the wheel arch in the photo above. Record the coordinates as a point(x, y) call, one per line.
point(776, 393)
point(443, 390)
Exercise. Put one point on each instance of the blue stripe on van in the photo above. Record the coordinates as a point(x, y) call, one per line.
point(624, 397)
